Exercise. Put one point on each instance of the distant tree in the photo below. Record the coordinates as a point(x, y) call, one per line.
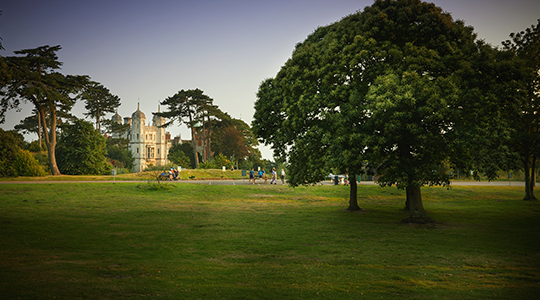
point(179, 155)
point(229, 142)
point(118, 153)
point(99, 101)
point(81, 150)
point(382, 87)
point(33, 78)
point(187, 148)
point(32, 124)
point(186, 107)
point(234, 138)
point(524, 115)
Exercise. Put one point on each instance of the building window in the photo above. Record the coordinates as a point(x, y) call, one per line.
point(137, 138)
point(137, 150)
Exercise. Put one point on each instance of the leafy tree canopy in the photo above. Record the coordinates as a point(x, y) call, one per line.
point(381, 89)
point(181, 155)
point(118, 153)
point(81, 150)
point(186, 107)
point(99, 101)
point(522, 114)
point(33, 77)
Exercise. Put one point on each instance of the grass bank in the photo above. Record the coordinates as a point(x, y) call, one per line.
point(120, 241)
point(186, 174)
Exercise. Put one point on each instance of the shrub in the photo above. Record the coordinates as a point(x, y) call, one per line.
point(25, 164)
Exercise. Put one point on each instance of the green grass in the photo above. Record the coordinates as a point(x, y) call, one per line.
point(188, 241)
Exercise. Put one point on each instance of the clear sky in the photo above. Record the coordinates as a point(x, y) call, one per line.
point(146, 51)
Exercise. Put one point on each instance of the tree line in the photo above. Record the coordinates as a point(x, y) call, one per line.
point(33, 76)
point(402, 91)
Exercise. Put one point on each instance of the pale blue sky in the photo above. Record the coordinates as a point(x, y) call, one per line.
point(145, 51)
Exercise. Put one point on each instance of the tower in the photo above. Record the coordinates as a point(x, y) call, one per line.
point(137, 141)
point(161, 144)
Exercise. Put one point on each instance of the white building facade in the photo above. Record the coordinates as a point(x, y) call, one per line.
point(149, 144)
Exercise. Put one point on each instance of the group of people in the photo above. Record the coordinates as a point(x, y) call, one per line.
point(261, 174)
point(173, 174)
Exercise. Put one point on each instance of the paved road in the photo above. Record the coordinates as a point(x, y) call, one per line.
point(246, 182)
point(464, 183)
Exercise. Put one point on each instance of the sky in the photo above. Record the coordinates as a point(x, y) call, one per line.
point(146, 51)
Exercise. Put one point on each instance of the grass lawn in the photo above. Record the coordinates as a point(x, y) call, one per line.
point(190, 241)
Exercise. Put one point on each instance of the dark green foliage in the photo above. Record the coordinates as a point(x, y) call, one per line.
point(188, 107)
point(523, 93)
point(34, 146)
point(383, 90)
point(81, 150)
point(33, 77)
point(180, 154)
point(118, 153)
point(99, 101)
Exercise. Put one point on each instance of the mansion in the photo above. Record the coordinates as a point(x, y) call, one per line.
point(149, 144)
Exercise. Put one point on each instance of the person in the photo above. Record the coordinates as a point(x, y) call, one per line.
point(282, 176)
point(170, 174)
point(274, 176)
point(252, 176)
point(264, 176)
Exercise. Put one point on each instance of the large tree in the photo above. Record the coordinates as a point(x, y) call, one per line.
point(81, 150)
point(33, 77)
point(524, 115)
point(379, 89)
point(234, 139)
point(187, 107)
point(99, 101)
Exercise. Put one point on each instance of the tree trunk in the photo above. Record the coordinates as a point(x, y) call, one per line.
point(416, 208)
point(533, 173)
point(39, 131)
point(407, 202)
point(193, 143)
point(529, 185)
point(50, 140)
point(353, 195)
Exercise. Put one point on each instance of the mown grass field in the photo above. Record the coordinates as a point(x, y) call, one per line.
point(189, 241)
